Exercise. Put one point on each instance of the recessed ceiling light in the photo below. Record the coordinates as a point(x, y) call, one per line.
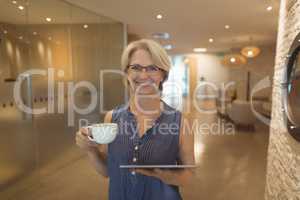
point(162, 35)
point(211, 40)
point(227, 27)
point(269, 8)
point(14, 2)
point(233, 60)
point(34, 33)
point(21, 7)
point(20, 37)
point(168, 47)
point(159, 16)
point(85, 26)
point(299, 40)
point(48, 19)
point(5, 32)
point(200, 50)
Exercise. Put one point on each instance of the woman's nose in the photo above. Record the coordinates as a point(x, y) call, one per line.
point(143, 74)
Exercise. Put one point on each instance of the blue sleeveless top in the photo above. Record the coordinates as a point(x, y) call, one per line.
point(158, 146)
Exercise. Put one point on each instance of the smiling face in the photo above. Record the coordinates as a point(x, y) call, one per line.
point(143, 82)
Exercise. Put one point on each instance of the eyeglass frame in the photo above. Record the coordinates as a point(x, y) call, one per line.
point(144, 67)
point(166, 73)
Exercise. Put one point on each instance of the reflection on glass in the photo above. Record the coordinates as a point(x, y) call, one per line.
point(42, 34)
point(294, 93)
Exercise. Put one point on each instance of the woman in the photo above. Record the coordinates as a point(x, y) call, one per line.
point(150, 133)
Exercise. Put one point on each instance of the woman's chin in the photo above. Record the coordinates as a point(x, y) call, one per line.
point(146, 90)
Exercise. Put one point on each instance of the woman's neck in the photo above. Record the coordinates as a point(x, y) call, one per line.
point(144, 105)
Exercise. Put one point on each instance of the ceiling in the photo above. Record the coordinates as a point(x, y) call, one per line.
point(191, 23)
point(36, 11)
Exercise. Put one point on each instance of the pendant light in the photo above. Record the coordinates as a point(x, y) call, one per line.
point(234, 59)
point(250, 51)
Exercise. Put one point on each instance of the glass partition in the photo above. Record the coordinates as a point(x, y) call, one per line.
point(66, 44)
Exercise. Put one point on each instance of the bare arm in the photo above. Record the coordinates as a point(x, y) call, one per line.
point(97, 153)
point(186, 152)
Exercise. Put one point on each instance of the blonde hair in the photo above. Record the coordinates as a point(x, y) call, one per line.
point(157, 53)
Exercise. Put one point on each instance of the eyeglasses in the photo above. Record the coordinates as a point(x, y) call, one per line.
point(150, 69)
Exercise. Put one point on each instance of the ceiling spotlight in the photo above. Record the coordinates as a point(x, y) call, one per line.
point(34, 33)
point(20, 37)
point(211, 40)
point(200, 50)
point(21, 7)
point(269, 8)
point(85, 26)
point(5, 32)
point(162, 35)
point(14, 2)
point(48, 19)
point(227, 27)
point(233, 60)
point(168, 47)
point(159, 16)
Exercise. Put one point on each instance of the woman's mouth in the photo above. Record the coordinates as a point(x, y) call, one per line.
point(143, 83)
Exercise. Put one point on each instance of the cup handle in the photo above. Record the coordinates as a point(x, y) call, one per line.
point(90, 138)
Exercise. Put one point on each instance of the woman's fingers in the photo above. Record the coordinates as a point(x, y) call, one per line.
point(83, 141)
point(142, 171)
point(147, 172)
point(85, 131)
point(80, 135)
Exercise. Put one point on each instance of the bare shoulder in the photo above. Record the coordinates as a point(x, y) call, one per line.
point(108, 117)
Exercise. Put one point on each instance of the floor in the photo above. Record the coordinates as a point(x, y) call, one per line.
point(232, 166)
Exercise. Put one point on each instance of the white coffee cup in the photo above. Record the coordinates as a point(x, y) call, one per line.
point(103, 133)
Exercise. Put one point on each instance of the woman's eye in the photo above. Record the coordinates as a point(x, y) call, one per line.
point(135, 67)
point(152, 68)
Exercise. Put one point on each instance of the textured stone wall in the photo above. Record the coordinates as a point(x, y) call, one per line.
point(283, 172)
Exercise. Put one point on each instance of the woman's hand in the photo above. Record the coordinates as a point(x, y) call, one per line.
point(164, 175)
point(84, 142)
point(178, 177)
